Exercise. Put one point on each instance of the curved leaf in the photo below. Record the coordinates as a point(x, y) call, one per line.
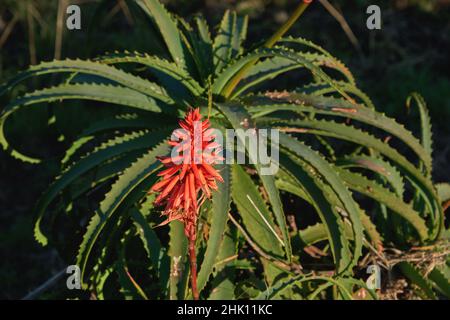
point(220, 206)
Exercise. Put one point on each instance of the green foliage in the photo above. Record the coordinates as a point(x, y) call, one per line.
point(336, 156)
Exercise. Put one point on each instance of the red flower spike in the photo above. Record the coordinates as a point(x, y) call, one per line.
point(182, 183)
point(188, 177)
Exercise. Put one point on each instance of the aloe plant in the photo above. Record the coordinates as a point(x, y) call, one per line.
point(368, 178)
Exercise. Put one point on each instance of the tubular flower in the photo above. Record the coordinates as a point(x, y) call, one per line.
point(189, 175)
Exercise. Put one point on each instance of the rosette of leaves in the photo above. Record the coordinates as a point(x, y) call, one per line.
point(366, 176)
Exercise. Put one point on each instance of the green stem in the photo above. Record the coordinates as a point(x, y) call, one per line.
point(288, 24)
point(268, 44)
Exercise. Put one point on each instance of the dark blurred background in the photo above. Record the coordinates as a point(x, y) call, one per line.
point(410, 53)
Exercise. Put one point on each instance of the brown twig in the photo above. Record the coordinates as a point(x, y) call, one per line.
point(421, 257)
point(343, 23)
point(31, 35)
point(126, 11)
point(45, 286)
point(226, 260)
point(9, 28)
point(59, 28)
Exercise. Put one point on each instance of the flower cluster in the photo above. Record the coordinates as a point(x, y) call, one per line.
point(189, 175)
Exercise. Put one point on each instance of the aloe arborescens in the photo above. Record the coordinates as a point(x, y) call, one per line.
point(334, 156)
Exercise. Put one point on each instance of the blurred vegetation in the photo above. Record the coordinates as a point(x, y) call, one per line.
point(410, 53)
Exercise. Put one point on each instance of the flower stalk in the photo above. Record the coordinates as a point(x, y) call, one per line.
point(193, 266)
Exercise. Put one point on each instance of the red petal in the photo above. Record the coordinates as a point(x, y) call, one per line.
point(212, 184)
point(171, 218)
point(160, 184)
point(169, 172)
point(183, 171)
point(205, 188)
point(169, 187)
point(165, 160)
point(212, 171)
